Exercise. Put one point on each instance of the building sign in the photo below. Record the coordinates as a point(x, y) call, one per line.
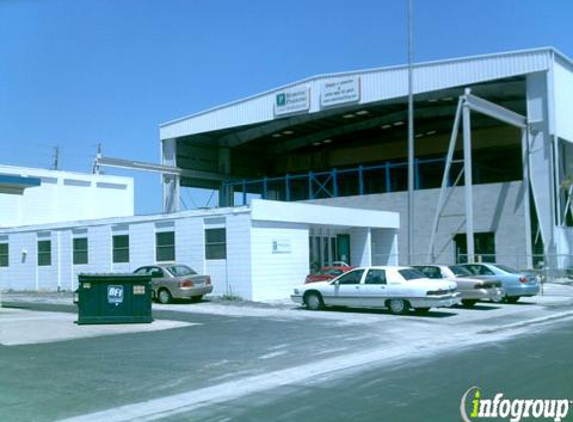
point(115, 294)
point(292, 101)
point(340, 91)
point(281, 246)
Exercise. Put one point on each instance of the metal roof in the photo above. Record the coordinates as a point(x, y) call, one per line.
point(375, 85)
point(15, 185)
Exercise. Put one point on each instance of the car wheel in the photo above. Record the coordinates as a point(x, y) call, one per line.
point(196, 299)
point(422, 311)
point(512, 299)
point(164, 296)
point(398, 306)
point(469, 302)
point(313, 301)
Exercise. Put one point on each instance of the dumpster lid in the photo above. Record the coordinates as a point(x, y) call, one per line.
point(105, 277)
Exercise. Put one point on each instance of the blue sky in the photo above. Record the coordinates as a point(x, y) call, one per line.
point(75, 73)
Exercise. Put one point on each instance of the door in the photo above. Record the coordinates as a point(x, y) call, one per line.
point(347, 290)
point(484, 245)
point(343, 248)
point(375, 289)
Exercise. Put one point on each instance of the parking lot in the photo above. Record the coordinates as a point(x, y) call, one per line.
point(194, 356)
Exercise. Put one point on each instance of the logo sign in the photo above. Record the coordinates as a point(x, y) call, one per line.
point(340, 91)
point(292, 101)
point(115, 294)
point(281, 246)
point(473, 407)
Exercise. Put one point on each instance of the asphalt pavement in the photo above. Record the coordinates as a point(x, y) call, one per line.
point(225, 361)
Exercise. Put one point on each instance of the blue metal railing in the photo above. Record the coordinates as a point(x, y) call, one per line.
point(328, 183)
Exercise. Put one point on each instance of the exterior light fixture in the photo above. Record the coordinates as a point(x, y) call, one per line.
point(398, 123)
point(327, 141)
point(288, 132)
point(348, 116)
point(362, 112)
point(431, 132)
point(276, 135)
point(386, 126)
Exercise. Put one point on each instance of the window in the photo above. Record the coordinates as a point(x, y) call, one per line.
point(352, 277)
point(376, 277)
point(181, 270)
point(430, 272)
point(165, 246)
point(121, 248)
point(80, 250)
point(411, 274)
point(44, 252)
point(4, 254)
point(215, 244)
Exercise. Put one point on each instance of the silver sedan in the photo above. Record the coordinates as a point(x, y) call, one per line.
point(175, 281)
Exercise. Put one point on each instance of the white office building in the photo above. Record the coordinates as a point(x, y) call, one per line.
point(257, 252)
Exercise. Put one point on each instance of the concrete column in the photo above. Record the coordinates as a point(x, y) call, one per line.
point(541, 156)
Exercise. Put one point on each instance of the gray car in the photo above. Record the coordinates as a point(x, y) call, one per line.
point(516, 284)
point(471, 287)
point(176, 281)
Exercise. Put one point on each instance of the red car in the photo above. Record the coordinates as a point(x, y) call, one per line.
point(327, 273)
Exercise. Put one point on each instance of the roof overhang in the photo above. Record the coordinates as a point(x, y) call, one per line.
point(262, 113)
point(15, 185)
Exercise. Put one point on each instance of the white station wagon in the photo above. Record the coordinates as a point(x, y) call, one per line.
point(395, 288)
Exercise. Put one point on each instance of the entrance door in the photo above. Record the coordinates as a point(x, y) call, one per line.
point(484, 245)
point(343, 248)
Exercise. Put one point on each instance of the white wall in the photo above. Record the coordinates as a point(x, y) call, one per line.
point(360, 247)
point(563, 94)
point(239, 263)
point(384, 246)
point(65, 196)
point(275, 274)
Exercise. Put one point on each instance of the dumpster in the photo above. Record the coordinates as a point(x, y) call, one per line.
point(114, 298)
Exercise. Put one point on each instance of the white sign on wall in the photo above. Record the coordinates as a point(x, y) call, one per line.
point(340, 91)
point(281, 246)
point(292, 100)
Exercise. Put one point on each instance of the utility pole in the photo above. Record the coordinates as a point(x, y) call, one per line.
point(411, 152)
point(55, 164)
point(95, 167)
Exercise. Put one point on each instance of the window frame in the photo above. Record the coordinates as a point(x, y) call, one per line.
point(212, 246)
point(44, 258)
point(77, 252)
point(4, 256)
point(117, 251)
point(168, 248)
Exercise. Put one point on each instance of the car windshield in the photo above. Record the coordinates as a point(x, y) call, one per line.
point(180, 270)
point(460, 271)
point(507, 269)
point(411, 274)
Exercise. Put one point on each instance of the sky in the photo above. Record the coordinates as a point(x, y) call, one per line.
point(76, 73)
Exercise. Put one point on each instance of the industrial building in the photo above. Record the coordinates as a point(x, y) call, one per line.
point(327, 156)
point(40, 196)
point(341, 139)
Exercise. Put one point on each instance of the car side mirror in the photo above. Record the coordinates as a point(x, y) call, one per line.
point(336, 282)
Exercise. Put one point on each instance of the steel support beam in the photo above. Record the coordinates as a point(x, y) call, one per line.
point(468, 181)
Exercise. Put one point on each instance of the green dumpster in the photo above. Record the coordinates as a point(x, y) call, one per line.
point(114, 298)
